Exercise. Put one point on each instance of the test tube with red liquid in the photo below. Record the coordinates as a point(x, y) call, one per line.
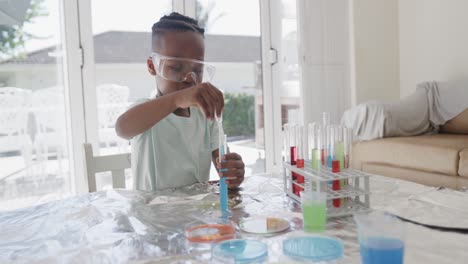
point(348, 141)
point(293, 144)
point(336, 184)
point(286, 145)
point(300, 155)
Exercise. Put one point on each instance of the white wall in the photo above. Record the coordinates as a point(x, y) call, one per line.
point(433, 41)
point(400, 43)
point(349, 52)
point(376, 51)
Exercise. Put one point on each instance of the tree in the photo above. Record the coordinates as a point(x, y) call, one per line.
point(204, 15)
point(239, 114)
point(13, 37)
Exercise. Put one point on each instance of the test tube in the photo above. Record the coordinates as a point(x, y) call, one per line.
point(325, 124)
point(224, 145)
point(333, 148)
point(300, 146)
point(287, 148)
point(293, 155)
point(223, 192)
point(336, 184)
point(286, 144)
point(339, 147)
point(300, 157)
point(308, 146)
point(316, 155)
point(325, 119)
point(348, 140)
point(305, 143)
point(293, 144)
point(323, 150)
point(339, 153)
point(330, 145)
point(311, 140)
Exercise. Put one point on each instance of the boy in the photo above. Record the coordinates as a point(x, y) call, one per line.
point(174, 136)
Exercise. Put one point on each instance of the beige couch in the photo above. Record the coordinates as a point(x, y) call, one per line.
point(433, 160)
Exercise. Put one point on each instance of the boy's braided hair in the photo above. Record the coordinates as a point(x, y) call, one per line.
point(176, 22)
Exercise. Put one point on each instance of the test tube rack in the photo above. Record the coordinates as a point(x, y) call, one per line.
point(355, 195)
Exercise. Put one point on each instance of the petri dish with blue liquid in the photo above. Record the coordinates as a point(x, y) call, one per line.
point(240, 251)
point(313, 249)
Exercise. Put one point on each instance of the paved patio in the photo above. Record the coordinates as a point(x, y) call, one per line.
point(43, 181)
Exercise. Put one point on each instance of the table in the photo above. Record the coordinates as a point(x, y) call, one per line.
point(122, 226)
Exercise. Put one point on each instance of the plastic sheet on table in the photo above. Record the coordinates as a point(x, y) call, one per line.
point(122, 226)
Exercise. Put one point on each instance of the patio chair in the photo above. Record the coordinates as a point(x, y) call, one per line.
point(112, 101)
point(14, 122)
point(48, 107)
point(116, 164)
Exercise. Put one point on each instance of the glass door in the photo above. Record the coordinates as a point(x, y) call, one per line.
point(122, 43)
point(35, 159)
point(233, 45)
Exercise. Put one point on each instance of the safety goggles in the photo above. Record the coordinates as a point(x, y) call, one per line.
point(180, 69)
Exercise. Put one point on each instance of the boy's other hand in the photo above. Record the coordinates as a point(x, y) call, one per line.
point(203, 95)
point(232, 167)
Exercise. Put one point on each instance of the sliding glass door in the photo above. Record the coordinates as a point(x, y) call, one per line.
point(35, 162)
point(122, 43)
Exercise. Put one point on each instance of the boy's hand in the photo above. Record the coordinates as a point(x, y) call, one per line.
point(231, 167)
point(203, 95)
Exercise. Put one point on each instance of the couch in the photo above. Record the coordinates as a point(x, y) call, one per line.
point(439, 160)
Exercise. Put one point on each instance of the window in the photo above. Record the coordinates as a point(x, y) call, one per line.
point(38, 155)
point(288, 66)
point(233, 45)
point(34, 135)
point(122, 43)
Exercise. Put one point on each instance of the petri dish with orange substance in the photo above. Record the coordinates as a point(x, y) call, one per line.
point(201, 236)
point(209, 233)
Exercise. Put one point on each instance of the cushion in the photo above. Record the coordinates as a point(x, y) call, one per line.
point(458, 125)
point(463, 166)
point(421, 177)
point(431, 153)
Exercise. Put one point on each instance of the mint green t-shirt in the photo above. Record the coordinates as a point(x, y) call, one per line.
point(175, 152)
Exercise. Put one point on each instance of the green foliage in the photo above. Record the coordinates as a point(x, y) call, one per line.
point(13, 37)
point(204, 14)
point(239, 114)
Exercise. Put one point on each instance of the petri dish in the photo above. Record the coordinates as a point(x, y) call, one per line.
point(241, 251)
point(209, 233)
point(264, 225)
point(313, 248)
